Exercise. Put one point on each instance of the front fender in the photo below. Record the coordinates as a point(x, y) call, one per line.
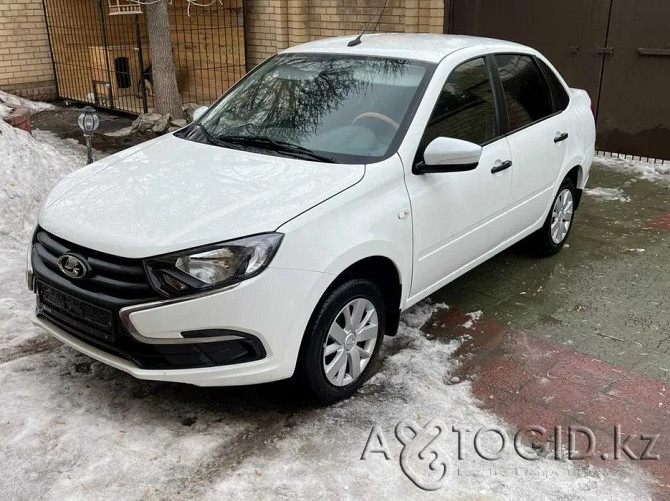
point(369, 219)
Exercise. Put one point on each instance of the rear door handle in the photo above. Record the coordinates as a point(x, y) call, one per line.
point(561, 137)
point(505, 165)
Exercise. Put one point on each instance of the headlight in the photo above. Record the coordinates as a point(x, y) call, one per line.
point(213, 266)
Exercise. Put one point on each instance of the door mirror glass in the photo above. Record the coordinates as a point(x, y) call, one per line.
point(198, 112)
point(446, 154)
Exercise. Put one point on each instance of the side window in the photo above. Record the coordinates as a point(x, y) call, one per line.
point(465, 108)
point(557, 88)
point(526, 91)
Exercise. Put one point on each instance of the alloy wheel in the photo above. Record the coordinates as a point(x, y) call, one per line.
point(561, 216)
point(350, 342)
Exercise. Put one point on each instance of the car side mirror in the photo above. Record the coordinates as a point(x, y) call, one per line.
point(198, 112)
point(446, 154)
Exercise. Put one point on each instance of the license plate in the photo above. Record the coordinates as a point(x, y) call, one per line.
point(77, 312)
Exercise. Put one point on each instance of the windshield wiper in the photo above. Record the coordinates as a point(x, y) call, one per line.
point(216, 141)
point(278, 146)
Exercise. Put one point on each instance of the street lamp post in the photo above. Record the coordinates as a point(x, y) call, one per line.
point(88, 123)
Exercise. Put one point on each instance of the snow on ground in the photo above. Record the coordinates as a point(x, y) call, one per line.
point(608, 194)
point(414, 383)
point(30, 168)
point(33, 106)
point(4, 111)
point(74, 428)
point(474, 316)
point(643, 170)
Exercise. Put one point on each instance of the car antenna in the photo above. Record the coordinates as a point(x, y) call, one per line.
point(356, 41)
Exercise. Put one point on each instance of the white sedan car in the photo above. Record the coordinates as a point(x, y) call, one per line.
point(283, 233)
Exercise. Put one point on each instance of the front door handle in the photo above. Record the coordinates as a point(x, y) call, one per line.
point(560, 137)
point(505, 165)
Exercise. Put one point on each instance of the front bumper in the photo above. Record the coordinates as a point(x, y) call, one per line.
point(273, 308)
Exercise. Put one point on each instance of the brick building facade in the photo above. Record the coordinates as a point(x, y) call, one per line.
point(273, 25)
point(26, 65)
point(25, 59)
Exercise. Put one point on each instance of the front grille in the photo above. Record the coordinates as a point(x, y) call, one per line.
point(80, 315)
point(88, 309)
point(112, 276)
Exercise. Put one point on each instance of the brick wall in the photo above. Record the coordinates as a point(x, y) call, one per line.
point(25, 60)
point(273, 25)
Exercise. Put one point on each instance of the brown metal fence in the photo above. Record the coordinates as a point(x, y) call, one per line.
point(104, 59)
point(618, 50)
point(208, 48)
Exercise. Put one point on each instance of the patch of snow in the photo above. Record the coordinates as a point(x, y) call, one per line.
point(33, 106)
point(4, 111)
point(73, 428)
point(474, 316)
point(30, 168)
point(608, 194)
point(636, 250)
point(643, 170)
point(123, 132)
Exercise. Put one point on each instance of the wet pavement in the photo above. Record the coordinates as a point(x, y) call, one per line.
point(63, 123)
point(607, 294)
point(581, 338)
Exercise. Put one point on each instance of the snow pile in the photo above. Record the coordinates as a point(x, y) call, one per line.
point(4, 111)
point(644, 170)
point(33, 106)
point(30, 168)
point(608, 194)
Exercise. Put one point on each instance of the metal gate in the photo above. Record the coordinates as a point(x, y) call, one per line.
point(618, 50)
point(103, 59)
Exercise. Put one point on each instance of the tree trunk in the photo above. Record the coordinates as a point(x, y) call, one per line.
point(166, 92)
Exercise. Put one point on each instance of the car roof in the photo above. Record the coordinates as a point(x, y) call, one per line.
point(419, 46)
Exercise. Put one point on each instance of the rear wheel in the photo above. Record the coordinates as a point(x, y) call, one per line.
point(551, 238)
point(342, 341)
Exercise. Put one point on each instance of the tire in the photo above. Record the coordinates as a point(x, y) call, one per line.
point(551, 238)
point(328, 338)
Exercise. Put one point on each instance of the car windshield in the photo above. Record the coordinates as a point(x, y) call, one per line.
point(334, 108)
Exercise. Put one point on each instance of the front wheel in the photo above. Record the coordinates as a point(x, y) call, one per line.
point(342, 341)
point(551, 238)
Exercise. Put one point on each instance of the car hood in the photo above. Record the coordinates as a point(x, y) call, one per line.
point(171, 194)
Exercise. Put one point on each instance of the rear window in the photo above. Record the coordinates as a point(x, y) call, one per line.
point(527, 92)
point(560, 95)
